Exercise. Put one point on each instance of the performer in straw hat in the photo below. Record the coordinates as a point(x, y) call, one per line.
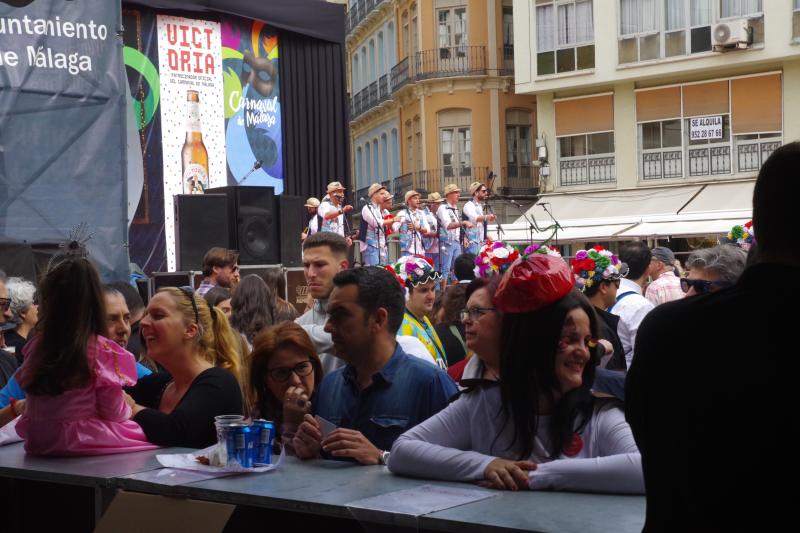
point(473, 211)
point(374, 217)
point(433, 244)
point(332, 211)
point(312, 204)
point(412, 226)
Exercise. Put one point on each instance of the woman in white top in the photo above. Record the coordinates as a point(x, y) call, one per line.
point(541, 428)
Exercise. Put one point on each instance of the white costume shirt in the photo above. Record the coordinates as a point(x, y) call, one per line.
point(335, 225)
point(411, 239)
point(631, 310)
point(448, 214)
point(472, 210)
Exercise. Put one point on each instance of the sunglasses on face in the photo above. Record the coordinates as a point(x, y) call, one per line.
point(701, 286)
point(283, 373)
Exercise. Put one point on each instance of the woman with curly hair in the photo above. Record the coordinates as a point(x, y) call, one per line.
point(251, 307)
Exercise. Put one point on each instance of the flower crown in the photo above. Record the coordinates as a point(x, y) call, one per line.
point(742, 236)
point(413, 270)
point(593, 266)
point(494, 258)
point(543, 249)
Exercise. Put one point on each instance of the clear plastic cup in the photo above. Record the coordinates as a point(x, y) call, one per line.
point(221, 423)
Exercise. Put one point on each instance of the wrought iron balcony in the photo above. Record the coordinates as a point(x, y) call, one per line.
point(359, 11)
point(507, 60)
point(400, 74)
point(450, 61)
point(587, 170)
point(519, 180)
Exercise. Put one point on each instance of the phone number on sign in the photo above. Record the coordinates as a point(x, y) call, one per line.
point(705, 134)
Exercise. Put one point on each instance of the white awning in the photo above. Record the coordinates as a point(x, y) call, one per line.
point(690, 210)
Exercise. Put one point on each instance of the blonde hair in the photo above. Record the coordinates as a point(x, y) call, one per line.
point(218, 343)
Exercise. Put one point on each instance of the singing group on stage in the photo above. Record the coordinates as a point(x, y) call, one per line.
point(434, 227)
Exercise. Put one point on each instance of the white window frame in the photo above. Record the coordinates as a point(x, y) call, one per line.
point(586, 157)
point(796, 20)
point(555, 46)
point(755, 14)
point(661, 150)
point(461, 48)
point(457, 162)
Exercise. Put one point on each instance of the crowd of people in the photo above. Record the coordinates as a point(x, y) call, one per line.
point(602, 372)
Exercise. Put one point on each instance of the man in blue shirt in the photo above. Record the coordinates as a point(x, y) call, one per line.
point(382, 391)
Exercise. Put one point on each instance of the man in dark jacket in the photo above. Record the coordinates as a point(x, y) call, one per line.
point(711, 393)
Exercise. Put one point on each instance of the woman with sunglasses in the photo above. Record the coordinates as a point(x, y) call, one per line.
point(199, 351)
point(541, 428)
point(712, 269)
point(284, 371)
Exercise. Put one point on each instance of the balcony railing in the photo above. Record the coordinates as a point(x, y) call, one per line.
point(401, 185)
point(752, 154)
point(400, 74)
point(662, 164)
point(359, 11)
point(507, 58)
point(435, 180)
point(710, 160)
point(519, 180)
point(383, 88)
point(587, 170)
point(450, 61)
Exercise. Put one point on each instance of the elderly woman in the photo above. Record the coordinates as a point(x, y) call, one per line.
point(712, 269)
point(541, 428)
point(284, 371)
point(25, 313)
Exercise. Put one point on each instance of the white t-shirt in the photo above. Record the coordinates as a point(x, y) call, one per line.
point(472, 210)
point(631, 310)
point(433, 226)
point(335, 225)
point(447, 214)
point(374, 225)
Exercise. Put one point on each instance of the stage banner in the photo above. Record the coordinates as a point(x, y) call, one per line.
point(252, 103)
point(192, 117)
point(62, 126)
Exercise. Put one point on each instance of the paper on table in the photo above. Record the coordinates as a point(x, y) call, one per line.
point(8, 433)
point(174, 476)
point(188, 461)
point(422, 500)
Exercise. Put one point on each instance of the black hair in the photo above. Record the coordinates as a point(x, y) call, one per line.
point(527, 373)
point(464, 267)
point(216, 295)
point(376, 288)
point(774, 199)
point(132, 297)
point(334, 241)
point(591, 291)
point(637, 256)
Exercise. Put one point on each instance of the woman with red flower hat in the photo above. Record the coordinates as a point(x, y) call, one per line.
point(541, 428)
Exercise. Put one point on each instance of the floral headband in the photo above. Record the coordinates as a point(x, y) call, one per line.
point(543, 249)
point(742, 236)
point(414, 270)
point(593, 266)
point(494, 258)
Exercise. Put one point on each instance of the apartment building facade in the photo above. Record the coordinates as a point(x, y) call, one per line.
point(654, 116)
point(433, 100)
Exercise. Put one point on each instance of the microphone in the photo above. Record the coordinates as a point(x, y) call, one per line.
point(256, 166)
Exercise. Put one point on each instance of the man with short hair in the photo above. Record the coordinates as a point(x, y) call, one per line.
point(412, 226)
point(464, 268)
point(311, 205)
point(473, 211)
point(324, 255)
point(666, 286)
point(220, 265)
point(136, 309)
point(630, 306)
point(451, 222)
point(382, 391)
point(332, 211)
point(710, 400)
point(374, 250)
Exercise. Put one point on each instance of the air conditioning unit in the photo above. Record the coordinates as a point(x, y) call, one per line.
point(734, 33)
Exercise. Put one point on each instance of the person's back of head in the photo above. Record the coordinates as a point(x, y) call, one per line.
point(218, 257)
point(251, 306)
point(377, 289)
point(71, 312)
point(132, 298)
point(275, 278)
point(774, 200)
point(453, 301)
point(464, 267)
point(216, 296)
point(637, 256)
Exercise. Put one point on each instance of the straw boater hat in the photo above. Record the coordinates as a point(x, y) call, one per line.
point(452, 187)
point(474, 186)
point(435, 198)
point(409, 194)
point(335, 186)
point(374, 188)
point(312, 202)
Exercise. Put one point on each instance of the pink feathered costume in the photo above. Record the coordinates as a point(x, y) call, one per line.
point(92, 420)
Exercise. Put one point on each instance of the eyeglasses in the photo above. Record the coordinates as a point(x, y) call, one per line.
point(283, 373)
point(702, 286)
point(475, 313)
point(5, 304)
point(188, 291)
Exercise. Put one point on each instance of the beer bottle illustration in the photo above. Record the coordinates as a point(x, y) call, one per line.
point(194, 154)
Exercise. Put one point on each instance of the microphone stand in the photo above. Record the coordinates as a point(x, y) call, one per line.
point(500, 233)
point(256, 166)
point(557, 226)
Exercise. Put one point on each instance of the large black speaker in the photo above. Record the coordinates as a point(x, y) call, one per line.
point(201, 223)
point(293, 217)
point(253, 223)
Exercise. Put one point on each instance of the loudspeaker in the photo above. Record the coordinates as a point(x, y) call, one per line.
point(201, 223)
point(253, 229)
point(293, 215)
point(191, 278)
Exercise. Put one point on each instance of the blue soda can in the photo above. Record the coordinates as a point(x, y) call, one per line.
point(240, 444)
point(263, 446)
